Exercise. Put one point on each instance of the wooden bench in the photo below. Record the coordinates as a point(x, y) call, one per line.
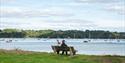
point(70, 49)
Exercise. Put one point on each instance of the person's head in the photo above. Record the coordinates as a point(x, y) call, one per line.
point(63, 41)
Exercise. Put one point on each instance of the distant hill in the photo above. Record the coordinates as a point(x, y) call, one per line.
point(94, 34)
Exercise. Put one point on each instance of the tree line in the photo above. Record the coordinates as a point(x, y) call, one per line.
point(92, 34)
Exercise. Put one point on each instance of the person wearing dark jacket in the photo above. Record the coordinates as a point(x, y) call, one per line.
point(63, 45)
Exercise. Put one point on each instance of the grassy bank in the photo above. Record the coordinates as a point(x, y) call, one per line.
point(18, 56)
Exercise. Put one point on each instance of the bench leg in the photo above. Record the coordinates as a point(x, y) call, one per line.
point(74, 53)
point(64, 52)
point(57, 52)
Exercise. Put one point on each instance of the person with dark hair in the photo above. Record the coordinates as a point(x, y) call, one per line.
point(63, 45)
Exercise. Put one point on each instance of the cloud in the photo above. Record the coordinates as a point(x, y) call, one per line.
point(5, 1)
point(97, 1)
point(116, 8)
point(81, 14)
point(72, 23)
point(32, 23)
point(30, 12)
point(13, 23)
point(61, 24)
point(70, 20)
point(110, 5)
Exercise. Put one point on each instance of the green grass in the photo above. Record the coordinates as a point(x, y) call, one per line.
point(19, 56)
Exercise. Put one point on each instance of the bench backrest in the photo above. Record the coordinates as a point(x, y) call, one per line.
point(59, 48)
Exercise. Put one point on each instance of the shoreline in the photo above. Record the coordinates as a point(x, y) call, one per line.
point(61, 38)
point(17, 50)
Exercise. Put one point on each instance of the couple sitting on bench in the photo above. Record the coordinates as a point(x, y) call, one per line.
point(63, 46)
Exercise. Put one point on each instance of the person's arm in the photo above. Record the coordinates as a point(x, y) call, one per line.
point(64, 45)
point(58, 42)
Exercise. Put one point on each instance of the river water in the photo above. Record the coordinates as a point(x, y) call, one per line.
point(83, 46)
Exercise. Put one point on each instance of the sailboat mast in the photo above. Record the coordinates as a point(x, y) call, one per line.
point(74, 36)
point(89, 35)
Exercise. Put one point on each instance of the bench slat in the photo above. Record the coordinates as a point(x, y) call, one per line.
point(59, 48)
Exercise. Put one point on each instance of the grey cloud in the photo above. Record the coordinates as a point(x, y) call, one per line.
point(20, 12)
point(113, 5)
point(4, 1)
point(116, 8)
point(12, 23)
point(72, 23)
point(119, 11)
point(98, 1)
point(70, 20)
point(118, 29)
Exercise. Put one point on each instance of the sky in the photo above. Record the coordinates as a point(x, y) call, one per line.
point(108, 15)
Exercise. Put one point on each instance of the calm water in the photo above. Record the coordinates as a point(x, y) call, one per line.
point(91, 47)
